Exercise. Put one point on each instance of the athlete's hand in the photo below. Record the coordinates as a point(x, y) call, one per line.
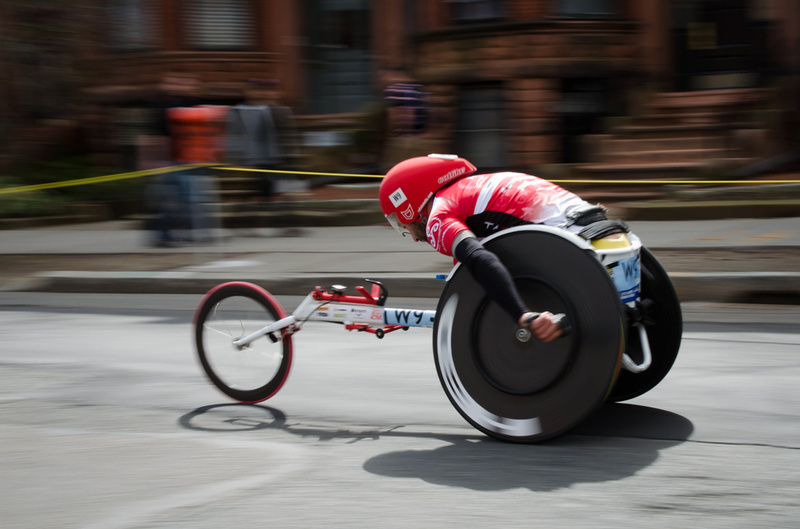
point(544, 325)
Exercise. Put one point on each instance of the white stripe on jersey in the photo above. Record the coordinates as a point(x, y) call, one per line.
point(486, 193)
point(483, 198)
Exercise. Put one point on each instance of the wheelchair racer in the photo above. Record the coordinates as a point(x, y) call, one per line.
point(438, 199)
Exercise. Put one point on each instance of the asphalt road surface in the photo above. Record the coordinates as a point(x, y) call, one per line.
point(106, 421)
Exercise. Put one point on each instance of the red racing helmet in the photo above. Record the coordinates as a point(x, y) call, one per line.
point(409, 185)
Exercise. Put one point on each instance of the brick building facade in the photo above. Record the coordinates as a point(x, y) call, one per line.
point(512, 83)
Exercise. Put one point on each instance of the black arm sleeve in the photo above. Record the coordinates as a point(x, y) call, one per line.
point(491, 274)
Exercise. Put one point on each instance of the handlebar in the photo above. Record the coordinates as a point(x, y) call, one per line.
point(377, 296)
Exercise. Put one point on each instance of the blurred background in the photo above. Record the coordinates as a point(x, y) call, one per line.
point(587, 90)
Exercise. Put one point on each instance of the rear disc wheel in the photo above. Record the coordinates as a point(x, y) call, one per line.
point(524, 390)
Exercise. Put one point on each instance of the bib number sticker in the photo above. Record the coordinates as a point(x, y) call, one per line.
point(398, 197)
point(626, 274)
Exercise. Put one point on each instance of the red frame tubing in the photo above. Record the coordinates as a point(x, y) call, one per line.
point(366, 328)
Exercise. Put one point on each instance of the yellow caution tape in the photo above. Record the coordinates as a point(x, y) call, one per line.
point(162, 170)
point(664, 182)
point(306, 173)
point(98, 179)
point(568, 181)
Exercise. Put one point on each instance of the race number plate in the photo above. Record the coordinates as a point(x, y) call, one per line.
point(626, 274)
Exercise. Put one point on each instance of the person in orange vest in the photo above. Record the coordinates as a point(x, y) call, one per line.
point(193, 134)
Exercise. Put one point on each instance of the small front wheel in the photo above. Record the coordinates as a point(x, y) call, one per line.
point(251, 373)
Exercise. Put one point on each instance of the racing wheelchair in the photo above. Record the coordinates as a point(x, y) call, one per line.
point(622, 310)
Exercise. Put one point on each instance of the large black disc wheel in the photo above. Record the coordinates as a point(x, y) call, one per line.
point(512, 386)
point(660, 312)
point(250, 373)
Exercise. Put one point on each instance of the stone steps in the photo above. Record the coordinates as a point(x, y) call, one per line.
point(671, 129)
point(614, 144)
point(628, 158)
point(680, 135)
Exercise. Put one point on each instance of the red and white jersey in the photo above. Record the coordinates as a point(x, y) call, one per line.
point(485, 204)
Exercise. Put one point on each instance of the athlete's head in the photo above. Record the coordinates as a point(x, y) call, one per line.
point(408, 187)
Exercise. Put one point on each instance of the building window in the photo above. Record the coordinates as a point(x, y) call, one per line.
point(585, 101)
point(481, 126)
point(135, 25)
point(577, 8)
point(339, 55)
point(470, 11)
point(219, 25)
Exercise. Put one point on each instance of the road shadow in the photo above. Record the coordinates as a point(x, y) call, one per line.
point(238, 417)
point(233, 417)
point(617, 442)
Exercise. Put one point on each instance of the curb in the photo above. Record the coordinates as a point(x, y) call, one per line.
point(419, 285)
point(355, 212)
point(706, 210)
point(721, 287)
point(738, 287)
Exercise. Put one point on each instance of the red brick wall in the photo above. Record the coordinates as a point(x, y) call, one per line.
point(529, 62)
point(520, 10)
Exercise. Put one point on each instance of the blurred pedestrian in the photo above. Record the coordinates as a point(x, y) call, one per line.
point(261, 134)
point(407, 104)
point(407, 116)
point(185, 130)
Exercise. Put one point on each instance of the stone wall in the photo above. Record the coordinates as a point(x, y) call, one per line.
point(221, 75)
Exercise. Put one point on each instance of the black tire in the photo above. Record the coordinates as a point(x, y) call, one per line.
point(529, 391)
point(227, 313)
point(664, 332)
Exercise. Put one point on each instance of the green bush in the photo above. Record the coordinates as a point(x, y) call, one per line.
point(30, 203)
point(123, 197)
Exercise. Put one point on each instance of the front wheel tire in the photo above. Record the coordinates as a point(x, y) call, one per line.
point(248, 374)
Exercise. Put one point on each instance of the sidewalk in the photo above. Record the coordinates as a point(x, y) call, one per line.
point(739, 260)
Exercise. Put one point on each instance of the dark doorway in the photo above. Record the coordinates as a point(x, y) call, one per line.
point(585, 101)
point(339, 66)
point(481, 127)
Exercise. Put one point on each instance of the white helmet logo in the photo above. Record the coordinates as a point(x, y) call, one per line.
point(408, 213)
